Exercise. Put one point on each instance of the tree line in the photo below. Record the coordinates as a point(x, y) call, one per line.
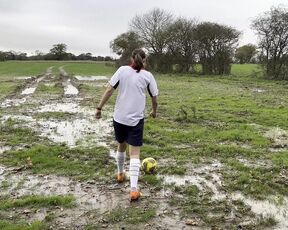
point(178, 44)
point(57, 52)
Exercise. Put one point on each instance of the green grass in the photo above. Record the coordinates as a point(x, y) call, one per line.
point(131, 215)
point(9, 225)
point(280, 159)
point(79, 163)
point(13, 134)
point(43, 89)
point(152, 180)
point(201, 119)
point(37, 202)
point(33, 68)
point(90, 69)
point(29, 68)
point(54, 115)
point(258, 182)
point(204, 118)
point(8, 88)
point(198, 204)
point(246, 69)
point(4, 185)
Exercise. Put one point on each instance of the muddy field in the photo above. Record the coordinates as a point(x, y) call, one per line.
point(55, 113)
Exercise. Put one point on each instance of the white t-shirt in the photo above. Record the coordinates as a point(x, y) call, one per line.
point(131, 98)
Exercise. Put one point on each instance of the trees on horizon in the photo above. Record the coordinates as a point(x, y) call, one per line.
point(177, 44)
point(57, 52)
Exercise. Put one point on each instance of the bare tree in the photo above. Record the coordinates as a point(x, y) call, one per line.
point(216, 46)
point(272, 30)
point(182, 44)
point(152, 29)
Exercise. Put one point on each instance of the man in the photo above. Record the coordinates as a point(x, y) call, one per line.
point(128, 118)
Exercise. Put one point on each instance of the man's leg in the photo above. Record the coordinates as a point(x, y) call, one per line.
point(120, 160)
point(134, 167)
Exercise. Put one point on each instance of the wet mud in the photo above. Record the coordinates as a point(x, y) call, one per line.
point(96, 199)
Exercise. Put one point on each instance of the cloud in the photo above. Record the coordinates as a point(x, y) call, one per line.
point(90, 25)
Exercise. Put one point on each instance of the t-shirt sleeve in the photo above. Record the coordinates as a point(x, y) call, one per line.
point(152, 87)
point(114, 81)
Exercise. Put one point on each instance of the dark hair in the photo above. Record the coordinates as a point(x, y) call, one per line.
point(138, 55)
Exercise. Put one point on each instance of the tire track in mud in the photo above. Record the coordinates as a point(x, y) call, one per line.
point(31, 88)
point(20, 98)
point(69, 88)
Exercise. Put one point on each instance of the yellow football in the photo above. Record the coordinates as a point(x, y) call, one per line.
point(149, 165)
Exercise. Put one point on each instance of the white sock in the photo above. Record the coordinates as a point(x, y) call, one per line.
point(120, 159)
point(134, 173)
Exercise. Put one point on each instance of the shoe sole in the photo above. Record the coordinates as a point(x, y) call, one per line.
point(132, 200)
point(121, 181)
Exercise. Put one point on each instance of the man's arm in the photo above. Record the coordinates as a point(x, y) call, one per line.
point(154, 106)
point(105, 97)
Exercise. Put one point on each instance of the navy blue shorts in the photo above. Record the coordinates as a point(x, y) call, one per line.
point(133, 135)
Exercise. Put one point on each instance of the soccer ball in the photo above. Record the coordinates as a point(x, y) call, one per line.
point(149, 165)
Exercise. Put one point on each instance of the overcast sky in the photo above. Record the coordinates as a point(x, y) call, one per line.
point(90, 25)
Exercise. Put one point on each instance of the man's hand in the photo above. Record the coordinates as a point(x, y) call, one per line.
point(154, 107)
point(105, 97)
point(98, 114)
point(153, 114)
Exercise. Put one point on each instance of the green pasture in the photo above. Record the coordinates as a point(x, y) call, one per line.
point(201, 120)
point(33, 68)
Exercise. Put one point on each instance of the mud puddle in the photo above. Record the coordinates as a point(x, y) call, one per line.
point(198, 178)
point(93, 200)
point(32, 88)
point(12, 102)
point(267, 208)
point(213, 183)
point(29, 90)
point(82, 131)
point(75, 131)
point(23, 78)
point(89, 195)
point(69, 89)
point(279, 138)
point(66, 106)
point(255, 163)
point(90, 78)
point(258, 90)
point(4, 148)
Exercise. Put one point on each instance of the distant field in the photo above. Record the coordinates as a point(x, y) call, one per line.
point(27, 68)
point(17, 68)
point(90, 69)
